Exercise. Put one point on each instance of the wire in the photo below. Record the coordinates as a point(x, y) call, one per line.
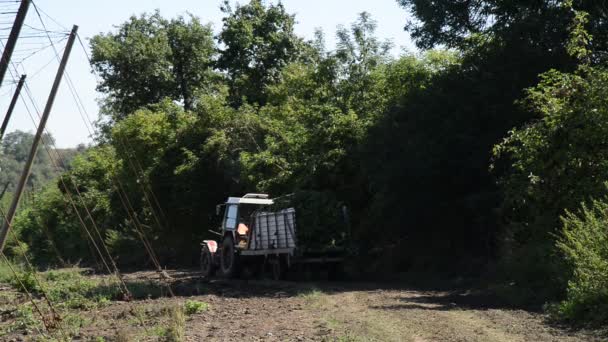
point(56, 317)
point(39, 10)
point(122, 284)
point(88, 123)
point(27, 292)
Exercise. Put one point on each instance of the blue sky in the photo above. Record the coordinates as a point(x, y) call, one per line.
point(101, 16)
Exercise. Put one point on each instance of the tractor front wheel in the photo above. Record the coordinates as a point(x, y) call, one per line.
point(207, 267)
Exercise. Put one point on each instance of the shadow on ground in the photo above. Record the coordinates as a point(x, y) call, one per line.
point(191, 283)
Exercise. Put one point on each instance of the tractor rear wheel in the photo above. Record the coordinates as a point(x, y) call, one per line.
point(207, 267)
point(228, 258)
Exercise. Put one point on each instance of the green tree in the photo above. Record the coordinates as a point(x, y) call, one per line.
point(150, 58)
point(258, 42)
point(14, 151)
point(51, 226)
point(359, 53)
point(540, 25)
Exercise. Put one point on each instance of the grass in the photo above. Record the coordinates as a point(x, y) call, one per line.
point(70, 291)
point(312, 296)
point(25, 320)
point(74, 291)
point(159, 331)
point(176, 327)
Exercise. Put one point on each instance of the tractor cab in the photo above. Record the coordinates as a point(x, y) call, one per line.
point(237, 217)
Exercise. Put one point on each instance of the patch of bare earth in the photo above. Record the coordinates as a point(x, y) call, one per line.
point(281, 311)
point(400, 315)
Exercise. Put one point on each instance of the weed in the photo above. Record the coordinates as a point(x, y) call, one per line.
point(25, 281)
point(332, 323)
point(8, 298)
point(72, 323)
point(159, 331)
point(139, 315)
point(65, 274)
point(176, 330)
point(311, 296)
point(25, 320)
point(193, 307)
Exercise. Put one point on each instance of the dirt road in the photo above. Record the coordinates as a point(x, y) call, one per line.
point(340, 314)
point(283, 311)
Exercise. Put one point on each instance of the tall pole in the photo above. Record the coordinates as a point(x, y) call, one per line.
point(12, 38)
point(9, 113)
point(6, 225)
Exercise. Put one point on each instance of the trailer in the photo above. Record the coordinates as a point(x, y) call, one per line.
point(256, 236)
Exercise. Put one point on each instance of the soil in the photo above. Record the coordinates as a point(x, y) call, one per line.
point(286, 311)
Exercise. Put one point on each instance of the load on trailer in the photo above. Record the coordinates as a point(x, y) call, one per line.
point(254, 236)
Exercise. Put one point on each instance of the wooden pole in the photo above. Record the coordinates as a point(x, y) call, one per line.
point(9, 113)
point(6, 225)
point(12, 38)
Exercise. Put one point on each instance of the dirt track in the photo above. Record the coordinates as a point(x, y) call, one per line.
point(271, 311)
point(283, 311)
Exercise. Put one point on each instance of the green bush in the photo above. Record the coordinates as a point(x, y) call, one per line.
point(193, 307)
point(585, 247)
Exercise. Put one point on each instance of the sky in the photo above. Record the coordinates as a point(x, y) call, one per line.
point(93, 17)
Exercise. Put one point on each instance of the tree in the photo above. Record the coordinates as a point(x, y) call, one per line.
point(14, 151)
point(258, 42)
point(540, 24)
point(359, 53)
point(150, 58)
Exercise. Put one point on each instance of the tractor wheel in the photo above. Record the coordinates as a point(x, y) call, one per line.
point(207, 267)
point(228, 258)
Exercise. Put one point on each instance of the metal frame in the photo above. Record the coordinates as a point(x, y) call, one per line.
point(289, 251)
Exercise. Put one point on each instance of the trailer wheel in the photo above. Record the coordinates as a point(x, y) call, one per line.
point(228, 258)
point(207, 267)
point(278, 268)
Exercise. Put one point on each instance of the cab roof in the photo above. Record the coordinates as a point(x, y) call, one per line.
point(260, 199)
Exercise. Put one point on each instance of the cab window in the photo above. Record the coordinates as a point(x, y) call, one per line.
point(231, 217)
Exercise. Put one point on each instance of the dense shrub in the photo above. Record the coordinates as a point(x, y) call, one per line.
point(548, 167)
point(585, 247)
